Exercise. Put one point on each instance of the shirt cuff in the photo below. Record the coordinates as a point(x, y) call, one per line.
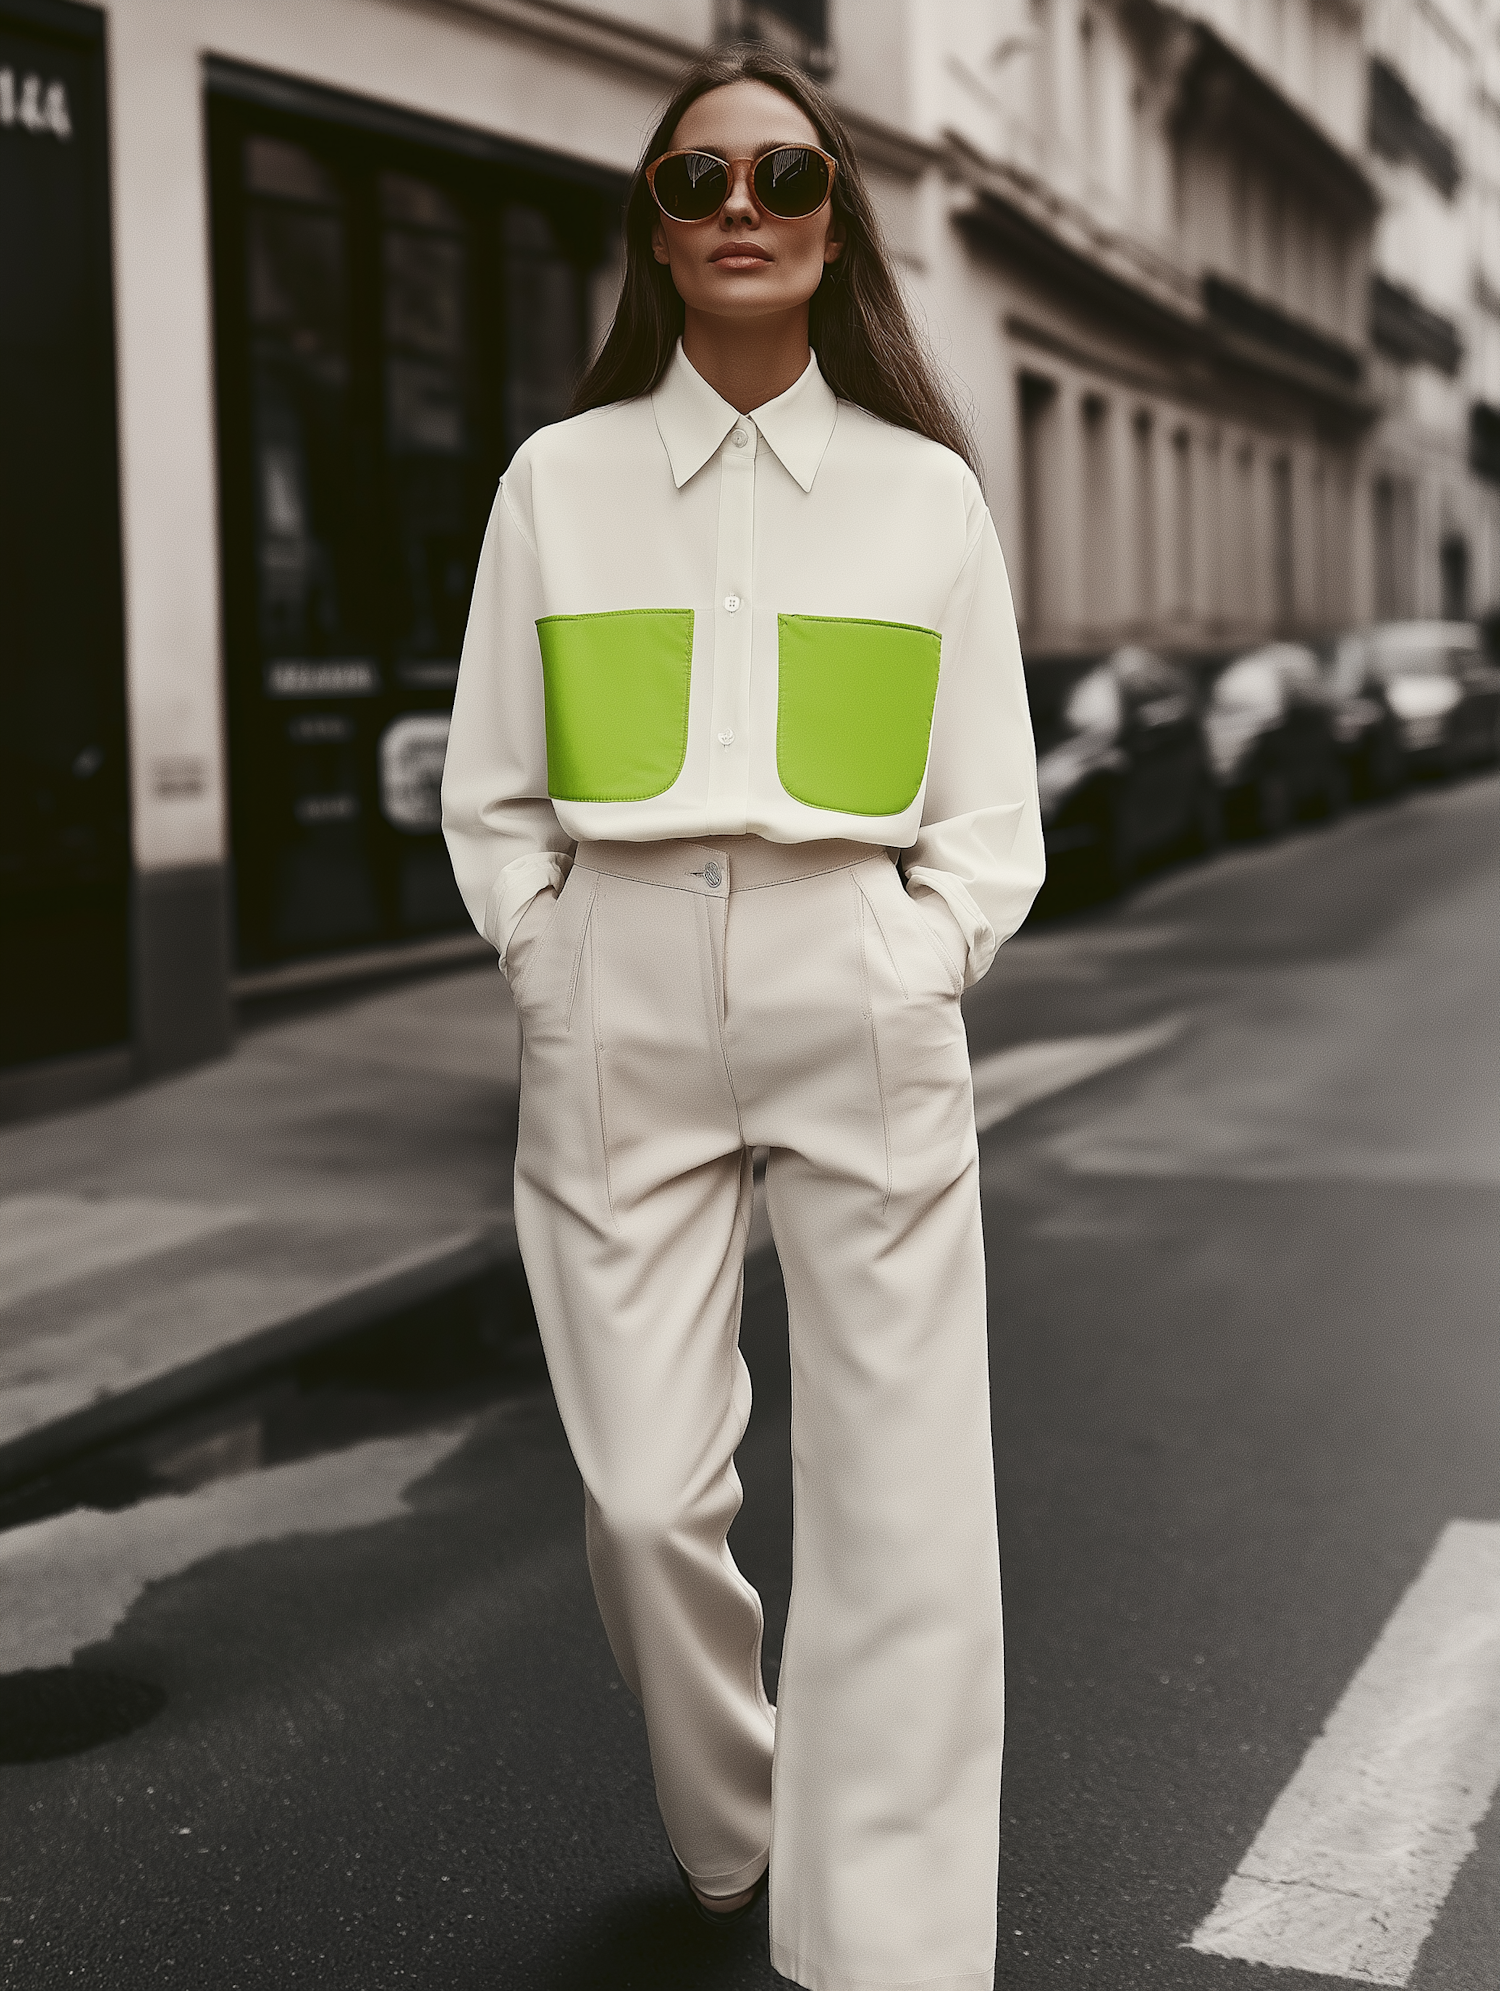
point(975, 937)
point(514, 890)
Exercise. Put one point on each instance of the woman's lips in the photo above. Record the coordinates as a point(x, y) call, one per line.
point(743, 256)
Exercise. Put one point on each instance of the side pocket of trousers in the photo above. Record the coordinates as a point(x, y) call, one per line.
point(591, 942)
point(560, 1152)
point(863, 913)
point(585, 939)
point(870, 914)
point(545, 990)
point(921, 965)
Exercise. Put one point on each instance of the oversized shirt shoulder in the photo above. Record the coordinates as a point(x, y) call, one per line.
point(692, 623)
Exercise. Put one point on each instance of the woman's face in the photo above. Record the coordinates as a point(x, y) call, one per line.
point(744, 263)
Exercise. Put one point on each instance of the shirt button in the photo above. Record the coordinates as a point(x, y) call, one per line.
point(713, 877)
point(732, 603)
point(741, 439)
point(726, 739)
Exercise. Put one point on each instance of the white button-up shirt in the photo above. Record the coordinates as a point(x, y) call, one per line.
point(689, 622)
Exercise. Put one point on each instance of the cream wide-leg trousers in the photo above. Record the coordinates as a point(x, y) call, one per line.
point(684, 1004)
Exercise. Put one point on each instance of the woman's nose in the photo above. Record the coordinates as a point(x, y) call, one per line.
point(741, 202)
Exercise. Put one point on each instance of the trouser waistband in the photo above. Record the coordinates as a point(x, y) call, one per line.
point(730, 864)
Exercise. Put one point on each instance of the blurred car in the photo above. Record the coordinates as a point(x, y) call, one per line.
point(1122, 765)
point(1365, 727)
point(1271, 740)
point(1442, 691)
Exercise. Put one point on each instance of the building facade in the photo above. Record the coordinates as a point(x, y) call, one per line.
point(285, 287)
point(1434, 130)
point(1175, 221)
point(298, 280)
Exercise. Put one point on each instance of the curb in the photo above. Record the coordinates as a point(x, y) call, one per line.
point(405, 1282)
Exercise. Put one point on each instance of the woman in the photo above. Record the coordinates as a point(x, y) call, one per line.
point(741, 636)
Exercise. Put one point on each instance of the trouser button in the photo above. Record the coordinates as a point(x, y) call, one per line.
point(713, 877)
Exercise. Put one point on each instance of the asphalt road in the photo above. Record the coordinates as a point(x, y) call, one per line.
point(1245, 1372)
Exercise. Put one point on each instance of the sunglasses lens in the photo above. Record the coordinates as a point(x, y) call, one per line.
point(691, 186)
point(792, 181)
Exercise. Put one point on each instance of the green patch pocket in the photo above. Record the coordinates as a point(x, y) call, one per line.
point(616, 688)
point(854, 711)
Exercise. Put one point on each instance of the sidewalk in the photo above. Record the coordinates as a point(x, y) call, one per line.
point(336, 1168)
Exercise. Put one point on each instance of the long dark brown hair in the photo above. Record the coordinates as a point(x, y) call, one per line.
point(858, 324)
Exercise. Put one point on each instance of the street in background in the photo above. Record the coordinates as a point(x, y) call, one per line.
point(301, 1682)
point(304, 1686)
point(1218, 283)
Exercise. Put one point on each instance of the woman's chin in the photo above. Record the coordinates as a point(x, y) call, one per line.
point(746, 294)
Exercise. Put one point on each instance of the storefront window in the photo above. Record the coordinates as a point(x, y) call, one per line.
point(393, 320)
point(432, 421)
point(298, 284)
point(544, 303)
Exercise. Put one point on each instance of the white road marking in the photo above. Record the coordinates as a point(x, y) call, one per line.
point(47, 1241)
point(1357, 1855)
point(68, 1581)
point(1005, 1081)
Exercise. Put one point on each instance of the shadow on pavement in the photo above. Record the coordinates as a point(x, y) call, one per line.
point(52, 1711)
point(657, 1943)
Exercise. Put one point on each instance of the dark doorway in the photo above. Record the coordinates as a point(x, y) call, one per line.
point(1395, 548)
point(1038, 400)
point(1145, 517)
point(64, 784)
point(1283, 561)
point(394, 319)
point(1454, 557)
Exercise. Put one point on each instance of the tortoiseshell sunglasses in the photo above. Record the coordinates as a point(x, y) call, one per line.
point(790, 182)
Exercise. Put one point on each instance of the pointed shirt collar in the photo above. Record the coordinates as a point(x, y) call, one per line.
point(693, 420)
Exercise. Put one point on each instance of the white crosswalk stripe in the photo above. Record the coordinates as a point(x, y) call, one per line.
point(1357, 1855)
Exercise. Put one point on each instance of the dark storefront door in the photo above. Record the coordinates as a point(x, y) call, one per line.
point(64, 786)
point(393, 320)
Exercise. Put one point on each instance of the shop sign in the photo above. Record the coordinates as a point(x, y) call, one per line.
point(333, 677)
point(32, 104)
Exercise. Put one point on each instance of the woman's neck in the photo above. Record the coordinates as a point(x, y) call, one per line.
point(748, 361)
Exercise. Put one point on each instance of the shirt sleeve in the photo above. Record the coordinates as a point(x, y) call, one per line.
point(980, 845)
point(503, 835)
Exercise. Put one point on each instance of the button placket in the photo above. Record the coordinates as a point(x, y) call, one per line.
point(729, 767)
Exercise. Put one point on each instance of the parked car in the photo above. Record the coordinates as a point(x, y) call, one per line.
point(1365, 727)
point(1122, 765)
point(1443, 692)
point(1271, 740)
